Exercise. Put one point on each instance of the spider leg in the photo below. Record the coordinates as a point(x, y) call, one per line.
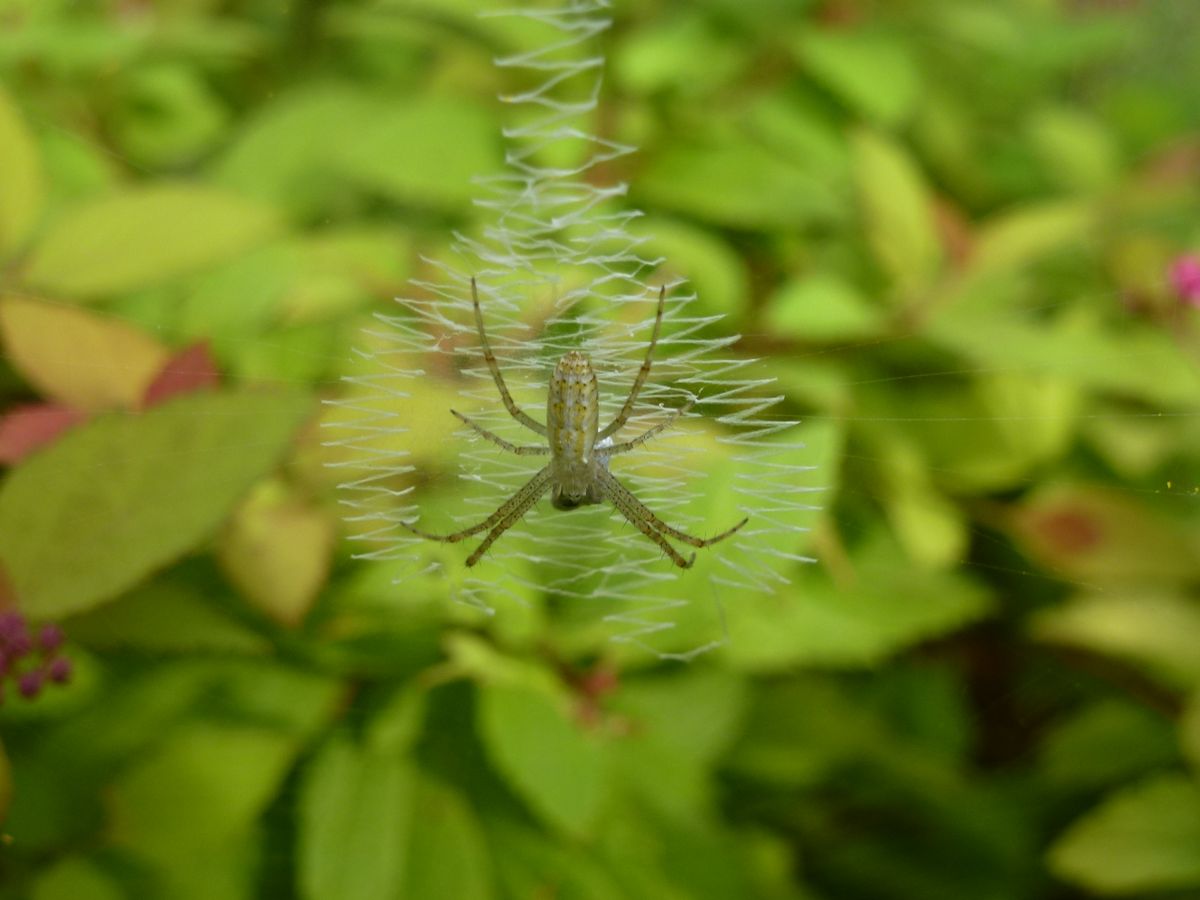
point(648, 433)
point(531, 450)
point(490, 358)
point(614, 489)
point(641, 519)
point(525, 498)
point(623, 416)
point(531, 489)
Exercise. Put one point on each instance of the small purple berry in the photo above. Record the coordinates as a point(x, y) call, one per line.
point(51, 638)
point(30, 684)
point(11, 625)
point(19, 645)
point(59, 670)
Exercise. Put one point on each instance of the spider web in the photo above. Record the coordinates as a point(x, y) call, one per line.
point(559, 269)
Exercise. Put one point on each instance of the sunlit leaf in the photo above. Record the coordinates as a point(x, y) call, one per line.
point(21, 185)
point(872, 73)
point(557, 768)
point(1145, 838)
point(1019, 237)
point(822, 307)
point(897, 209)
point(84, 360)
point(126, 494)
point(277, 549)
point(1156, 630)
point(222, 775)
point(143, 236)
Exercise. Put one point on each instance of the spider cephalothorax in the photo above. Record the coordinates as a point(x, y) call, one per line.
point(579, 450)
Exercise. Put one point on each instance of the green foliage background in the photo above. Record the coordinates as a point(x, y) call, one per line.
point(946, 224)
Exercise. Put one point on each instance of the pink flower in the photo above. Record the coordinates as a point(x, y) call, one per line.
point(1185, 279)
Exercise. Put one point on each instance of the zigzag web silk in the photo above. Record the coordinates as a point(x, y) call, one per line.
point(555, 249)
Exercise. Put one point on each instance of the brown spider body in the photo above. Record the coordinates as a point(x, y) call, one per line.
point(572, 426)
point(579, 451)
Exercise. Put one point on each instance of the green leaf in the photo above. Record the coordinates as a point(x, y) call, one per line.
point(84, 360)
point(76, 878)
point(205, 785)
point(1159, 631)
point(447, 855)
point(144, 236)
point(679, 725)
point(356, 812)
point(898, 211)
point(114, 500)
point(529, 864)
point(169, 615)
point(709, 263)
point(1145, 838)
point(1135, 740)
point(733, 182)
point(872, 73)
point(5, 785)
point(1015, 239)
point(418, 150)
point(1139, 362)
point(421, 150)
point(1078, 151)
point(1189, 731)
point(21, 183)
point(822, 307)
point(888, 606)
point(546, 757)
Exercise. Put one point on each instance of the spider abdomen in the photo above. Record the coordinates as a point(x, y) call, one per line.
point(572, 421)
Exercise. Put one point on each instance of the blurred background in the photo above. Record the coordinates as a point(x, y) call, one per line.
point(962, 235)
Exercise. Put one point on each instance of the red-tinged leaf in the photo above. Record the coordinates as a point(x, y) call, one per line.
point(28, 428)
point(191, 369)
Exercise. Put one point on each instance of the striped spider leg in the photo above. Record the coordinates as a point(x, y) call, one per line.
point(579, 450)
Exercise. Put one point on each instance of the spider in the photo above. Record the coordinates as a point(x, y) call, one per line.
point(579, 451)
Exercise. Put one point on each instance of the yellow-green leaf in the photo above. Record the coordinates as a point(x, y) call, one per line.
point(277, 550)
point(898, 211)
point(21, 184)
point(141, 237)
point(87, 361)
point(1145, 838)
point(1158, 631)
point(116, 499)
